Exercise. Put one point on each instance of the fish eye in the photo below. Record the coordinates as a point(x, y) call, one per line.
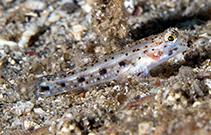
point(171, 36)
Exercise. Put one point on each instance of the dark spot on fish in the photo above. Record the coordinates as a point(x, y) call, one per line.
point(170, 52)
point(175, 49)
point(44, 88)
point(81, 79)
point(103, 71)
point(145, 51)
point(62, 84)
point(122, 63)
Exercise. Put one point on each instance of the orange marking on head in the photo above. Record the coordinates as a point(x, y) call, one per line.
point(158, 43)
point(160, 53)
point(154, 56)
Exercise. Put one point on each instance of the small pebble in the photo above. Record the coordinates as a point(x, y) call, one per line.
point(69, 7)
point(39, 111)
point(35, 5)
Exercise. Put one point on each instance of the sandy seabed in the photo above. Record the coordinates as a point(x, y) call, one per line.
point(46, 39)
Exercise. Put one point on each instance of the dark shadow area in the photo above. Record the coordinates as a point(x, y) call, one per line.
point(158, 25)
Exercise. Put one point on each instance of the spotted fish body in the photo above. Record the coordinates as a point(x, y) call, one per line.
point(137, 58)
